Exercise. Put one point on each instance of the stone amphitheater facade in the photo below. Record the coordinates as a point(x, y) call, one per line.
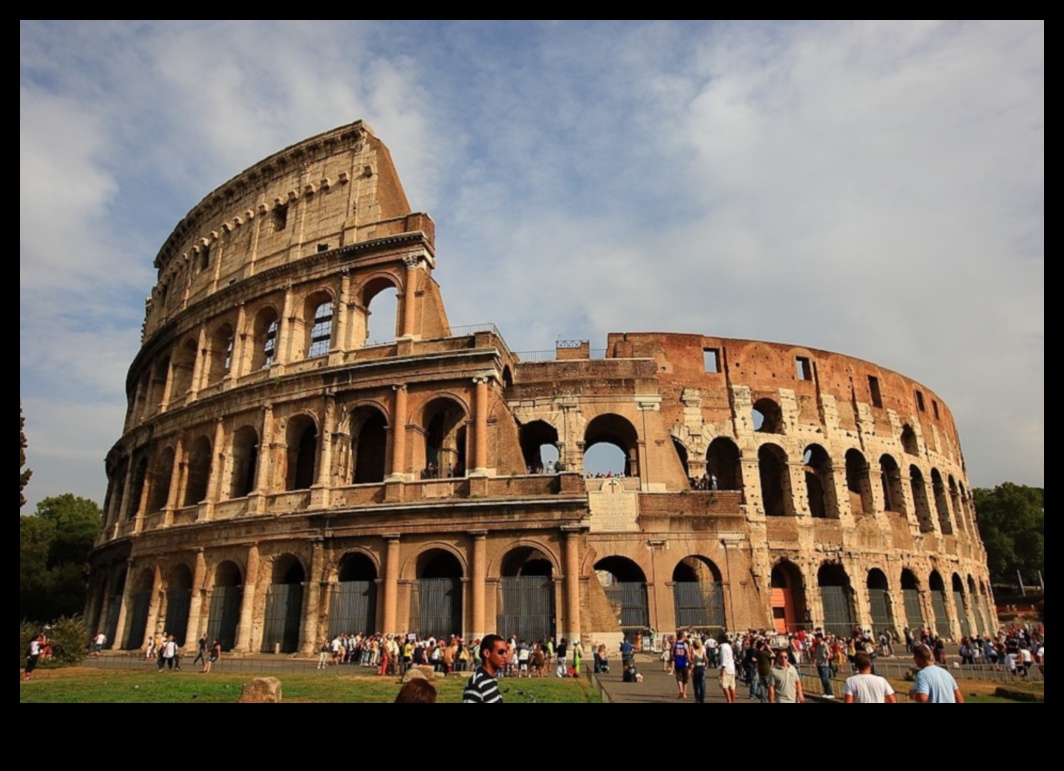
point(280, 479)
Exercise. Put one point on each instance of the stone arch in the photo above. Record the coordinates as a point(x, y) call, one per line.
point(682, 456)
point(698, 595)
point(379, 296)
point(245, 458)
point(302, 456)
point(318, 324)
point(618, 432)
point(938, 488)
point(859, 484)
point(880, 601)
point(977, 610)
point(353, 602)
point(724, 463)
point(220, 353)
point(775, 474)
point(265, 337)
point(768, 417)
point(178, 602)
point(909, 442)
point(161, 476)
point(820, 483)
point(160, 369)
point(920, 501)
point(445, 422)
point(955, 503)
point(539, 445)
point(893, 489)
point(199, 463)
point(518, 553)
point(914, 609)
point(939, 604)
point(227, 595)
point(284, 605)
point(183, 363)
point(526, 593)
point(138, 617)
point(960, 605)
point(369, 444)
point(790, 610)
point(837, 596)
point(437, 601)
point(625, 584)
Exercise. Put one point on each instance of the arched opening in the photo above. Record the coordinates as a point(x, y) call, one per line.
point(775, 481)
point(724, 462)
point(138, 616)
point(973, 600)
point(859, 484)
point(302, 454)
point(159, 495)
point(446, 440)
point(955, 503)
point(184, 364)
point(157, 386)
point(353, 607)
point(923, 506)
point(820, 483)
point(115, 589)
point(267, 327)
point(526, 596)
point(909, 442)
point(539, 447)
point(681, 454)
point(221, 354)
point(199, 472)
point(437, 597)
point(789, 610)
point(616, 432)
point(837, 596)
point(369, 446)
point(381, 301)
point(914, 609)
point(698, 593)
point(768, 417)
point(941, 502)
point(507, 378)
point(178, 602)
point(893, 492)
point(938, 602)
point(961, 606)
point(879, 599)
point(284, 606)
point(226, 598)
point(625, 585)
point(245, 459)
point(136, 488)
point(320, 311)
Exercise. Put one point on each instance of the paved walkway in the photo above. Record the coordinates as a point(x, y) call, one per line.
point(660, 687)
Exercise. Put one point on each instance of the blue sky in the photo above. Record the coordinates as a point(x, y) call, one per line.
point(871, 188)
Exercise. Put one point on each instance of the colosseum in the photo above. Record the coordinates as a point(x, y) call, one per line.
point(290, 469)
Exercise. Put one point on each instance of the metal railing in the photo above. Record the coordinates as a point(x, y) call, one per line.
point(472, 329)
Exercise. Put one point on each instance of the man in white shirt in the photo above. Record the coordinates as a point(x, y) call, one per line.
point(727, 669)
point(866, 688)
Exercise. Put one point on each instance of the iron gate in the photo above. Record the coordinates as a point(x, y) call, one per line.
point(630, 602)
point(698, 607)
point(914, 611)
point(225, 615)
point(111, 629)
point(178, 602)
point(881, 617)
point(962, 615)
point(942, 625)
point(353, 609)
point(527, 608)
point(284, 608)
point(838, 611)
point(438, 607)
point(138, 622)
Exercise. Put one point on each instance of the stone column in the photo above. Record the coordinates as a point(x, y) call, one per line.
point(480, 583)
point(247, 605)
point(155, 610)
point(216, 482)
point(198, 374)
point(312, 601)
point(399, 420)
point(127, 489)
point(342, 321)
point(168, 387)
point(320, 496)
point(263, 467)
point(480, 417)
point(195, 609)
point(285, 333)
point(573, 537)
point(122, 633)
point(409, 298)
point(240, 337)
point(391, 585)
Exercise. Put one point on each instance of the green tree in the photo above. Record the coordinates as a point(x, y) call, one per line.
point(1012, 525)
point(54, 548)
point(25, 473)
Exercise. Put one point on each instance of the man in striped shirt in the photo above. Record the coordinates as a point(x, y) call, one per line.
point(483, 687)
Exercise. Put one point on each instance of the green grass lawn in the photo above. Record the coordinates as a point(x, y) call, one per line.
point(102, 687)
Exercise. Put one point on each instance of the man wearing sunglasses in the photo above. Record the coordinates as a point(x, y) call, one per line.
point(483, 687)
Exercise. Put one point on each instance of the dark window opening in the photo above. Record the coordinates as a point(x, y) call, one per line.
point(322, 248)
point(877, 395)
point(920, 405)
point(280, 218)
point(205, 259)
point(269, 346)
point(805, 369)
point(934, 410)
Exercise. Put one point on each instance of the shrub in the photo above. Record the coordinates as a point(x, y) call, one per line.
point(68, 637)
